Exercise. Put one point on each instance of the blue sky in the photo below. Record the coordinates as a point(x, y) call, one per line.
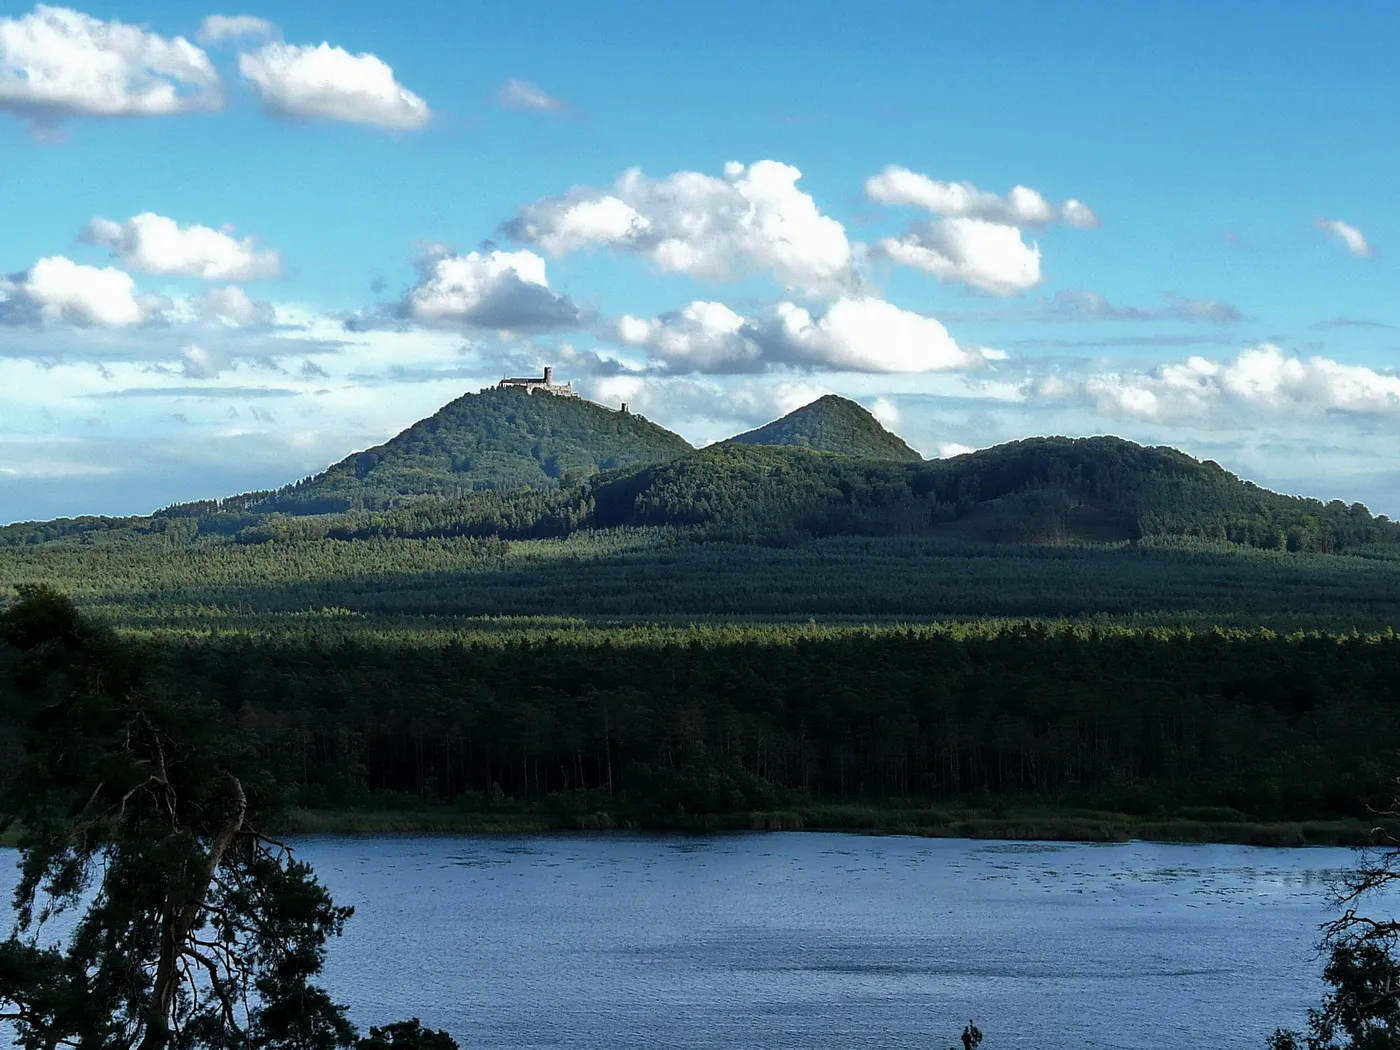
point(233, 250)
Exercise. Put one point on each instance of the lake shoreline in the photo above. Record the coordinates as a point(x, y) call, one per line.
point(971, 824)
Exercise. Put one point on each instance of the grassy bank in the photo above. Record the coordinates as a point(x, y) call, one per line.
point(1028, 825)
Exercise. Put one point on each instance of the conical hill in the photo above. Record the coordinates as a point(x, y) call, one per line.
point(495, 439)
point(832, 424)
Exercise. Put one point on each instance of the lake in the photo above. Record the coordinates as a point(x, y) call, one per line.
point(825, 940)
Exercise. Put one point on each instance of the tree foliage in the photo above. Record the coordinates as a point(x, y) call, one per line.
point(406, 1035)
point(151, 912)
point(832, 424)
point(1361, 1011)
point(650, 722)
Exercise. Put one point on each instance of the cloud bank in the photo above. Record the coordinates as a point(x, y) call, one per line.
point(1023, 206)
point(851, 334)
point(328, 83)
point(975, 238)
point(56, 62)
point(153, 244)
point(506, 291)
point(753, 219)
point(58, 289)
point(1200, 390)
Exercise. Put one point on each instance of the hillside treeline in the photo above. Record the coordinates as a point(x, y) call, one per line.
point(462, 584)
point(1040, 490)
point(737, 719)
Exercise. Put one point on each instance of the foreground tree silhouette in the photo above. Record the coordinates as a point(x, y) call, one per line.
point(1362, 1009)
point(151, 912)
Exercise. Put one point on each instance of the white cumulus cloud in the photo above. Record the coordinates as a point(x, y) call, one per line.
point(865, 335)
point(58, 289)
point(990, 256)
point(154, 244)
point(752, 219)
point(507, 291)
point(700, 337)
point(1023, 206)
point(55, 62)
point(328, 83)
point(217, 29)
point(975, 237)
point(851, 334)
point(584, 222)
point(1351, 238)
point(1261, 378)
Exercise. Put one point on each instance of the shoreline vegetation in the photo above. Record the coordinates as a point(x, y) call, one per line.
point(989, 730)
point(991, 823)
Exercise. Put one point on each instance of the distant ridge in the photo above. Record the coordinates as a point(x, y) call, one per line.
point(511, 464)
point(832, 424)
point(501, 438)
point(1039, 490)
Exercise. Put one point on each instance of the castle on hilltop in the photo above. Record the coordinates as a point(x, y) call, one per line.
point(546, 385)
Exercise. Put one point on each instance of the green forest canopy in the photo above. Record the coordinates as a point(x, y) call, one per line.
point(1038, 490)
point(495, 439)
point(832, 424)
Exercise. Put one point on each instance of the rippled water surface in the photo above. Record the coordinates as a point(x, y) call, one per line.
point(825, 941)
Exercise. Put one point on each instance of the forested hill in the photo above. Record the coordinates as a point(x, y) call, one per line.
point(512, 466)
point(1037, 490)
point(494, 439)
point(1043, 490)
point(832, 424)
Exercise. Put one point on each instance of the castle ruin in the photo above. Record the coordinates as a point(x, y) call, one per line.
point(545, 385)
